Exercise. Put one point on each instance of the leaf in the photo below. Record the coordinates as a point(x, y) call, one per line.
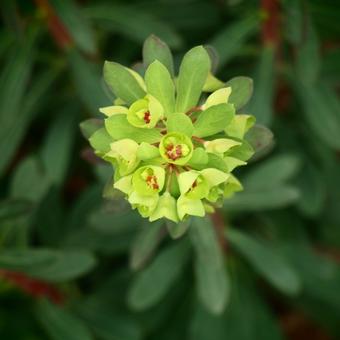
point(267, 198)
point(274, 171)
point(47, 264)
point(313, 190)
point(180, 122)
point(29, 181)
point(308, 61)
point(211, 276)
point(193, 73)
point(87, 80)
point(229, 41)
point(260, 138)
point(67, 266)
point(134, 23)
point(160, 85)
point(177, 230)
point(241, 91)
point(261, 104)
point(213, 120)
point(14, 119)
point(118, 127)
point(13, 209)
point(156, 49)
point(101, 141)
point(61, 324)
point(214, 57)
point(165, 270)
point(268, 263)
point(321, 99)
point(122, 83)
point(89, 126)
point(246, 318)
point(58, 147)
point(145, 244)
point(76, 24)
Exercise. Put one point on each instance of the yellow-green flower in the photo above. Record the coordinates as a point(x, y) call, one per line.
point(145, 113)
point(176, 148)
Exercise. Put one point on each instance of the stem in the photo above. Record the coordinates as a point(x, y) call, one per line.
point(194, 109)
point(271, 24)
point(219, 226)
point(168, 184)
point(199, 140)
point(33, 287)
point(55, 25)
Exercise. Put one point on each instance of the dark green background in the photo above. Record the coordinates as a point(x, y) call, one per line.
point(56, 227)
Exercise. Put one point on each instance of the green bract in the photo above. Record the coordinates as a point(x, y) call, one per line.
point(172, 145)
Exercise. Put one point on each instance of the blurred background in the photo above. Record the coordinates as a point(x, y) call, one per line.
point(76, 266)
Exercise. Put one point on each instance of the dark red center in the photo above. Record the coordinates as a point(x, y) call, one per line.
point(152, 182)
point(174, 152)
point(147, 117)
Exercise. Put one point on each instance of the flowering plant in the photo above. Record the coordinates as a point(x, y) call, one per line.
point(174, 141)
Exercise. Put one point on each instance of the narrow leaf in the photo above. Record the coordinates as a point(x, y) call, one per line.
point(193, 73)
point(122, 83)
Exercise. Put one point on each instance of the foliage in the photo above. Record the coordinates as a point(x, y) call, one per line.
point(77, 263)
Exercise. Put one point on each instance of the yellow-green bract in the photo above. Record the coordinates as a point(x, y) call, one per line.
point(174, 141)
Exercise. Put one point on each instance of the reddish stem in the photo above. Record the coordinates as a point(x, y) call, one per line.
point(199, 140)
point(33, 287)
point(271, 23)
point(55, 25)
point(219, 225)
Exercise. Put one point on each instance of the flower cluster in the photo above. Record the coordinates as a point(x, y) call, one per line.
point(173, 147)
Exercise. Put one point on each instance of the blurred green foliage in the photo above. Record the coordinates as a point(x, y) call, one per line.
point(76, 266)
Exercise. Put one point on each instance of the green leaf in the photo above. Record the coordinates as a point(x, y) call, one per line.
point(266, 198)
point(270, 264)
point(246, 318)
point(101, 141)
point(160, 85)
point(47, 264)
point(274, 171)
point(177, 230)
point(199, 158)
point(261, 104)
point(118, 127)
point(58, 147)
point(180, 122)
point(261, 139)
point(59, 323)
point(147, 151)
point(87, 79)
point(211, 275)
point(313, 190)
point(134, 23)
point(145, 244)
point(164, 270)
point(122, 83)
point(193, 73)
point(213, 120)
point(308, 61)
point(230, 40)
point(76, 24)
point(214, 57)
point(156, 49)
point(321, 99)
point(29, 181)
point(241, 91)
point(89, 126)
point(14, 116)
